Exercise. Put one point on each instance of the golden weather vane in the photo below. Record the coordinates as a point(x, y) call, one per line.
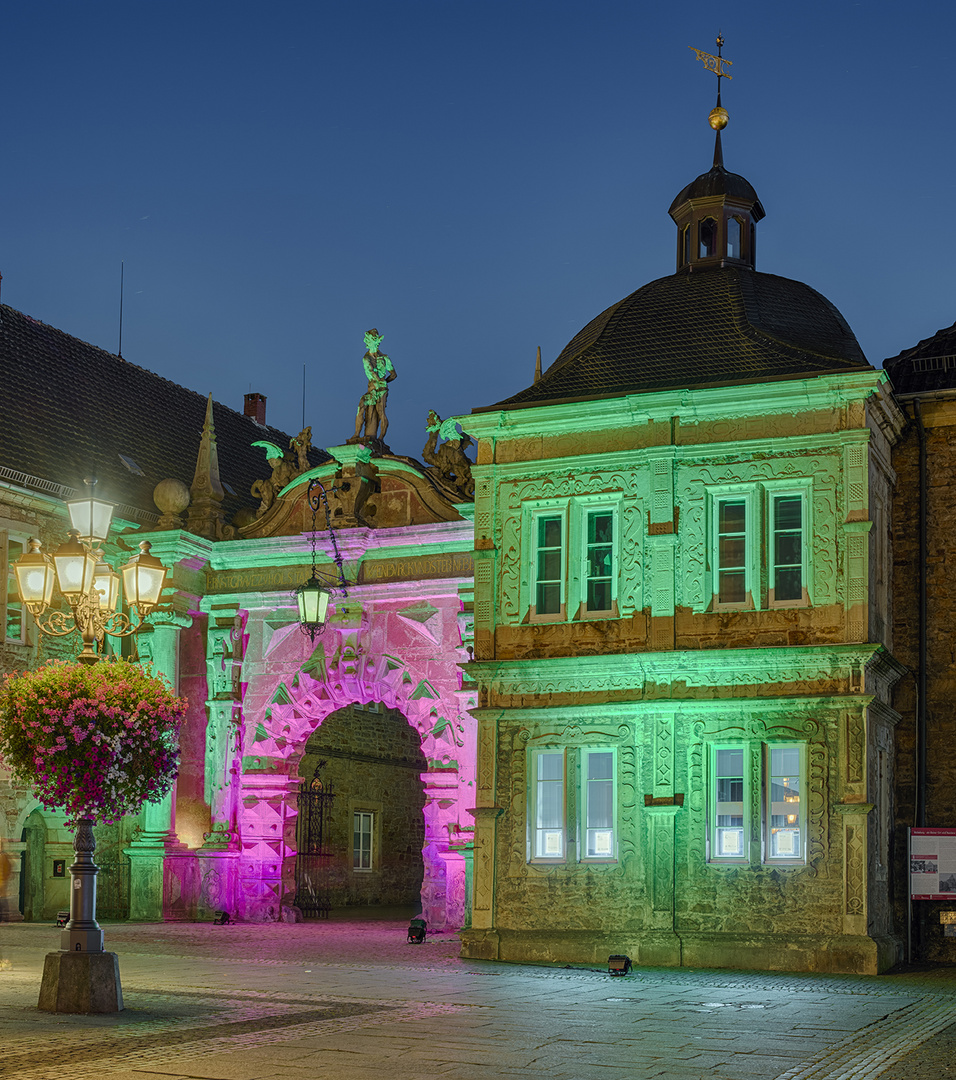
point(714, 63)
point(718, 115)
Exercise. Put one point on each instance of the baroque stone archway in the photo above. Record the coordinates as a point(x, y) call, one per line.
point(357, 660)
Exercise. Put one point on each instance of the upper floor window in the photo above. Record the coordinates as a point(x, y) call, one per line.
point(787, 571)
point(549, 564)
point(571, 563)
point(732, 551)
point(599, 559)
point(759, 550)
point(13, 617)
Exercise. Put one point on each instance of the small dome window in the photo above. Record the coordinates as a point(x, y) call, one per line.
point(708, 238)
point(734, 250)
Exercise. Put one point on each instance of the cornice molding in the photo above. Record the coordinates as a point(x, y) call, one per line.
point(861, 664)
point(689, 406)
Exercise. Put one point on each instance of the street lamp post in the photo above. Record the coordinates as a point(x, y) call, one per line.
point(91, 588)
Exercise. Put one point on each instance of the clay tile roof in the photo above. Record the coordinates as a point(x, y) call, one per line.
point(715, 327)
point(69, 409)
point(927, 366)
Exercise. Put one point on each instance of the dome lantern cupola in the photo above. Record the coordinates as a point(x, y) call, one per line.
point(717, 213)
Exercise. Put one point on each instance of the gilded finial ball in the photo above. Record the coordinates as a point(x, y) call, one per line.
point(718, 118)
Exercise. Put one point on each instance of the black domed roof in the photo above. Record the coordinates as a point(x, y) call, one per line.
point(729, 325)
point(719, 182)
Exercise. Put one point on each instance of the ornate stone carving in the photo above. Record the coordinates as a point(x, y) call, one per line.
point(449, 459)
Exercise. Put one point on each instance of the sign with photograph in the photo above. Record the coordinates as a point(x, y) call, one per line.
point(933, 864)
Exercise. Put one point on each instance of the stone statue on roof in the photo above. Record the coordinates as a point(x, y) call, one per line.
point(449, 459)
point(380, 372)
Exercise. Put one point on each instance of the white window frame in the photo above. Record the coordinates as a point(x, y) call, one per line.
point(573, 514)
point(748, 496)
point(714, 829)
point(579, 538)
point(584, 756)
point(535, 515)
point(538, 842)
point(788, 489)
point(10, 593)
point(359, 817)
point(797, 855)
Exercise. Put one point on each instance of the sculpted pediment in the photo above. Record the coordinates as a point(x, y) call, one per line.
point(364, 491)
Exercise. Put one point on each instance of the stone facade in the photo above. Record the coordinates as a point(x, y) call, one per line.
point(932, 774)
point(668, 675)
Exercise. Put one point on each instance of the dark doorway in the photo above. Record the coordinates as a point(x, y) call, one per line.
point(313, 853)
point(373, 833)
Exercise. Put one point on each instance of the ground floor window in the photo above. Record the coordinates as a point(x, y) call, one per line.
point(578, 824)
point(549, 813)
point(764, 779)
point(362, 822)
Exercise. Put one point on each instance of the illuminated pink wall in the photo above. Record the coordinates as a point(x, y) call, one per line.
point(399, 644)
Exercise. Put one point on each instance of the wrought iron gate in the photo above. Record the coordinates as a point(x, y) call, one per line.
point(314, 857)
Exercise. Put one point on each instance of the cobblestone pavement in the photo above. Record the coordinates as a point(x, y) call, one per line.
point(352, 1000)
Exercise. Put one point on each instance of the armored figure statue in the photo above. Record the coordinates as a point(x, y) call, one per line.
point(380, 372)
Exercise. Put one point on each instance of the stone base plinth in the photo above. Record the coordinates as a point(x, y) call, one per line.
point(849, 954)
point(81, 983)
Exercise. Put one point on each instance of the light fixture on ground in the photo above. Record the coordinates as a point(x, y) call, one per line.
point(313, 596)
point(618, 964)
point(88, 583)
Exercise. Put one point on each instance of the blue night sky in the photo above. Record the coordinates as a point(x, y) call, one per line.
point(474, 179)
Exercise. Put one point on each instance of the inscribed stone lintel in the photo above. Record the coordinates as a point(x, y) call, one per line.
point(652, 802)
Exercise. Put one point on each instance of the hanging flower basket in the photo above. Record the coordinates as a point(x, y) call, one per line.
point(94, 740)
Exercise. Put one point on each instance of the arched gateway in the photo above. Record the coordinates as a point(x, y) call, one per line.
point(368, 654)
point(228, 839)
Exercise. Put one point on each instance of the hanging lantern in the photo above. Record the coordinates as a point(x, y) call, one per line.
point(313, 600)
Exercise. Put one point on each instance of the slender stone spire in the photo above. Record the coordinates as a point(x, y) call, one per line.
point(537, 367)
point(205, 515)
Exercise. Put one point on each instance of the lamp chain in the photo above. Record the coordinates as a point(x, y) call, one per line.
point(337, 555)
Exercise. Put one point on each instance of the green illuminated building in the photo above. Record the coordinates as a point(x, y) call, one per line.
point(682, 628)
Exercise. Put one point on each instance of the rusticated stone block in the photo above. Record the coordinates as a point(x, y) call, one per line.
point(81, 983)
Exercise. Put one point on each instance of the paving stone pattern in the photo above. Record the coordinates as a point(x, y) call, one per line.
point(351, 1000)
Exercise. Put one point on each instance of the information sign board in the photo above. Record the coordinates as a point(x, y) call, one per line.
point(933, 864)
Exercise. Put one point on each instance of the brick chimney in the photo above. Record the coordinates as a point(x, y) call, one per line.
point(255, 407)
